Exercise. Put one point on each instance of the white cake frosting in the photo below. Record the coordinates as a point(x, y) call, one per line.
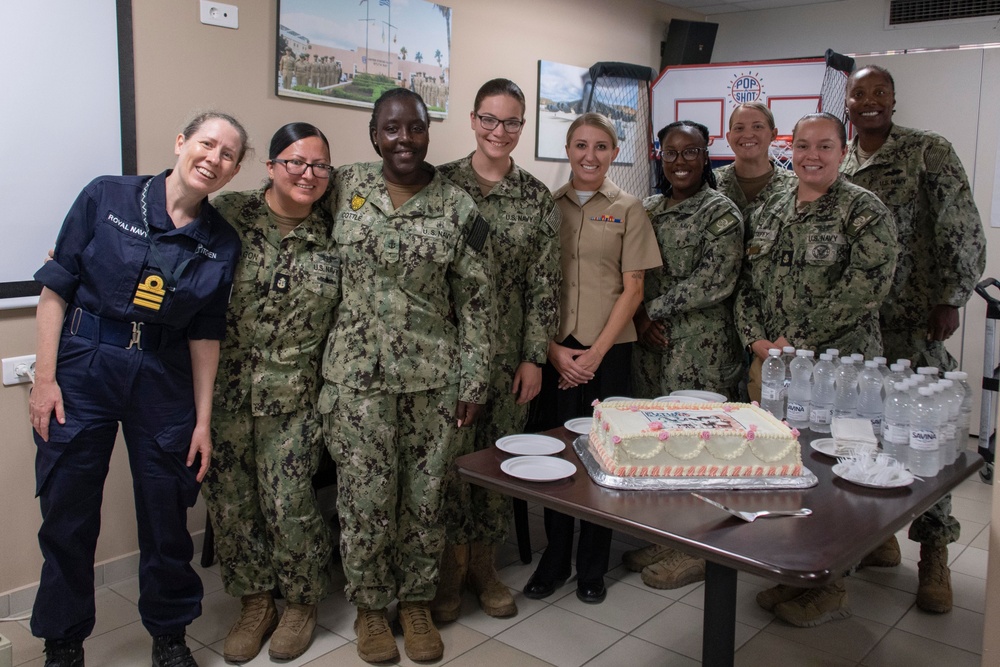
point(652, 439)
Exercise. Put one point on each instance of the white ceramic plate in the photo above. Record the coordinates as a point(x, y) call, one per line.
point(530, 444)
point(905, 479)
point(580, 425)
point(709, 396)
point(825, 446)
point(538, 468)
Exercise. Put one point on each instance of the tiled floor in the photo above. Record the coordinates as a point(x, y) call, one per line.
point(635, 626)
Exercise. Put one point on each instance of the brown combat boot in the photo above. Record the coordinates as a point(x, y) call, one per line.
point(494, 597)
point(448, 600)
point(294, 633)
point(257, 620)
point(375, 640)
point(772, 597)
point(639, 559)
point(676, 570)
point(421, 640)
point(816, 606)
point(934, 587)
point(885, 555)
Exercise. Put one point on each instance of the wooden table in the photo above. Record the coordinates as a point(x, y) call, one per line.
point(848, 522)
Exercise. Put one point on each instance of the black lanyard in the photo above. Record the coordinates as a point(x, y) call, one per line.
point(169, 276)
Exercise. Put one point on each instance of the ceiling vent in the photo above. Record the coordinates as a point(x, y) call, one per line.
point(909, 12)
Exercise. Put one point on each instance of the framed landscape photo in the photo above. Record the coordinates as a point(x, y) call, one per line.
point(349, 52)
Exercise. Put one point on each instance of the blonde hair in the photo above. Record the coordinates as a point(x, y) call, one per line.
point(597, 120)
point(753, 106)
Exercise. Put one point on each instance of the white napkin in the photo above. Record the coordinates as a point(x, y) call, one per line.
point(852, 433)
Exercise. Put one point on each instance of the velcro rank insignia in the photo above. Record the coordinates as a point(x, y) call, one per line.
point(786, 258)
point(478, 234)
point(723, 225)
point(860, 221)
point(357, 201)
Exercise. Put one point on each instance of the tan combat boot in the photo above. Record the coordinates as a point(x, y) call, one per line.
point(816, 606)
point(639, 559)
point(294, 633)
point(375, 640)
point(257, 620)
point(934, 587)
point(676, 570)
point(494, 597)
point(448, 600)
point(421, 640)
point(885, 555)
point(772, 597)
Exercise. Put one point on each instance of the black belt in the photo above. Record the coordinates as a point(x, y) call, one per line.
point(138, 335)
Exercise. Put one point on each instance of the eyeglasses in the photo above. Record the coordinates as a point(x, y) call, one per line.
point(692, 153)
point(511, 125)
point(298, 167)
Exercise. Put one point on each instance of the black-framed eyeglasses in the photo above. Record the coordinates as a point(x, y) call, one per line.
point(298, 167)
point(692, 153)
point(511, 125)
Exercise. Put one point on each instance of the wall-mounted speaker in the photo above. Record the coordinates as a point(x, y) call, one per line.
point(688, 43)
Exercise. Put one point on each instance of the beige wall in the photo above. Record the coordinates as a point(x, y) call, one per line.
point(182, 66)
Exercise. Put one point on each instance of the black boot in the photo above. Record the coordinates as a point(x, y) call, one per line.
point(171, 651)
point(63, 653)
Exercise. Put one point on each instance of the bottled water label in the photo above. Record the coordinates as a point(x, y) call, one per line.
point(877, 424)
point(948, 432)
point(897, 434)
point(770, 393)
point(923, 439)
point(797, 412)
point(820, 415)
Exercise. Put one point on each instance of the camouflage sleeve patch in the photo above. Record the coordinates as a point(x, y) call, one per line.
point(478, 234)
point(723, 225)
point(936, 157)
point(554, 219)
point(860, 221)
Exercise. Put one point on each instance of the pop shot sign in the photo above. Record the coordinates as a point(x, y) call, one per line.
point(701, 420)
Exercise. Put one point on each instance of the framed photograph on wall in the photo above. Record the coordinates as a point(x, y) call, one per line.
point(561, 99)
point(350, 52)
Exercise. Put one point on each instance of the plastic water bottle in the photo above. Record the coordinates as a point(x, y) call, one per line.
point(772, 380)
point(845, 403)
point(905, 363)
point(896, 374)
point(824, 391)
point(924, 434)
point(800, 390)
point(787, 356)
point(859, 359)
point(930, 372)
point(896, 423)
point(965, 411)
point(883, 369)
point(870, 395)
point(834, 355)
point(951, 408)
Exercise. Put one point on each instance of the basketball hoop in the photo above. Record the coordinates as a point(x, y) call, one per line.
point(781, 151)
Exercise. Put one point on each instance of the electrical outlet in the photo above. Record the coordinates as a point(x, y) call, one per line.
point(12, 364)
point(216, 13)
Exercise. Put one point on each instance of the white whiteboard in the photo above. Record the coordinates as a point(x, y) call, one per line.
point(60, 120)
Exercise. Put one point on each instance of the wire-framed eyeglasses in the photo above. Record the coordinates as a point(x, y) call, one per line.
point(511, 125)
point(692, 153)
point(298, 167)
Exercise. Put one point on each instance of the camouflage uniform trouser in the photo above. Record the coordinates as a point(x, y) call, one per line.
point(268, 528)
point(471, 513)
point(685, 365)
point(392, 452)
point(936, 527)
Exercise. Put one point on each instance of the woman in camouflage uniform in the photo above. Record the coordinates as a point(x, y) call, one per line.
point(687, 339)
point(269, 532)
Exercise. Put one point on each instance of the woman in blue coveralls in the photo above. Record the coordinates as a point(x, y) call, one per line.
point(129, 322)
